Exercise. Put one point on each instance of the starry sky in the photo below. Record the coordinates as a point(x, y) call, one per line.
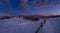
point(43, 10)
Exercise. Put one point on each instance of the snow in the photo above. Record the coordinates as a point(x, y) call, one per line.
point(20, 25)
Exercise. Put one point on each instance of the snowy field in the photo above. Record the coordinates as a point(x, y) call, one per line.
point(20, 25)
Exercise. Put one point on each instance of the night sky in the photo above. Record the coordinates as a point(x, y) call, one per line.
point(32, 10)
point(20, 25)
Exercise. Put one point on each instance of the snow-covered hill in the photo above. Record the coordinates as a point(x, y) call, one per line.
point(20, 25)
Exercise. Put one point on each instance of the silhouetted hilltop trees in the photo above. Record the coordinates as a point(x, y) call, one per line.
point(31, 17)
